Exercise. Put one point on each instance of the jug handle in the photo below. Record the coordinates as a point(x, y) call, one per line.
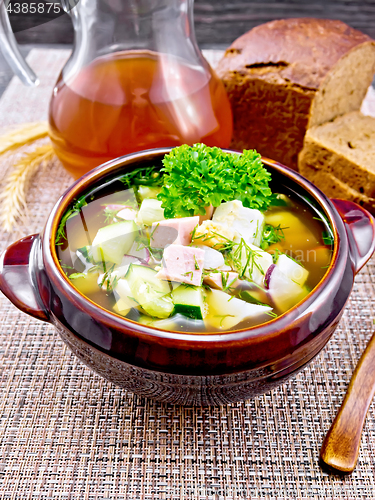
point(11, 52)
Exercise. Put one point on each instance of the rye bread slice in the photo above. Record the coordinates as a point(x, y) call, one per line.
point(344, 148)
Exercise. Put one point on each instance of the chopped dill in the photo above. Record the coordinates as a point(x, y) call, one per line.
point(328, 238)
point(153, 231)
point(74, 276)
point(196, 265)
point(142, 176)
point(272, 235)
point(276, 254)
point(243, 259)
point(294, 259)
point(110, 215)
point(188, 273)
point(271, 313)
point(245, 295)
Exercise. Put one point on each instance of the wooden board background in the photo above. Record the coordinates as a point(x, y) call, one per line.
point(219, 22)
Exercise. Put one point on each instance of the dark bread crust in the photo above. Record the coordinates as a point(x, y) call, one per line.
point(315, 155)
point(300, 51)
point(272, 75)
point(335, 188)
point(343, 148)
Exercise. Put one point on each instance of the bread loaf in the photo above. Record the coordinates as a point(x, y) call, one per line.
point(334, 188)
point(288, 75)
point(342, 150)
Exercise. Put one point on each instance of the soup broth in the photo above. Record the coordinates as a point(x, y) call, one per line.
point(184, 274)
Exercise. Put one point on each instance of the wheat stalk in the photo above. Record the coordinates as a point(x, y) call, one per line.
point(13, 196)
point(23, 135)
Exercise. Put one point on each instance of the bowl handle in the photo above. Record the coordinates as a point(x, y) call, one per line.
point(360, 228)
point(17, 276)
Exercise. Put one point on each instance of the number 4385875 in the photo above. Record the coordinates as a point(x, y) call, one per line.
point(33, 8)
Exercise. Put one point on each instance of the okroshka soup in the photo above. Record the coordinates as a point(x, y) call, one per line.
point(198, 243)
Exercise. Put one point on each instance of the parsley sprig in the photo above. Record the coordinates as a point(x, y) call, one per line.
point(198, 176)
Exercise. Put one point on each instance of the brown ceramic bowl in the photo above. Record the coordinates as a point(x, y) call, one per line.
point(183, 368)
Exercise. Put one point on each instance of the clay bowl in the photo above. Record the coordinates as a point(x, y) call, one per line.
point(182, 368)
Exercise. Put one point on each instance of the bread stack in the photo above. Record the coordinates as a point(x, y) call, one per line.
point(296, 87)
point(339, 158)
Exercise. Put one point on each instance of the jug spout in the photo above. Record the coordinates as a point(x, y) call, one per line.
point(10, 51)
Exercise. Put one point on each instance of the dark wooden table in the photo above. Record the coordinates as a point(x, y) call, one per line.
point(219, 22)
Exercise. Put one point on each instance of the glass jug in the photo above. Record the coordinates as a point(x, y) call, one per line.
point(136, 80)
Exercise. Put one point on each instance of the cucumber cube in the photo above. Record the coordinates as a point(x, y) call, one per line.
point(112, 242)
point(153, 301)
point(188, 300)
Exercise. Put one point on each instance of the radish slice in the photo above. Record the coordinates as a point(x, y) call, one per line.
point(292, 269)
point(130, 259)
point(212, 258)
point(226, 311)
point(114, 206)
point(142, 253)
point(127, 213)
point(284, 292)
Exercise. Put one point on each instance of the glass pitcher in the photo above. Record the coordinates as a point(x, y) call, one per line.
point(135, 80)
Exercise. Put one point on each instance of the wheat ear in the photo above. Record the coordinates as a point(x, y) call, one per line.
point(23, 135)
point(13, 195)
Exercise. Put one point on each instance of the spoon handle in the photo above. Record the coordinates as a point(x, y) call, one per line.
point(340, 448)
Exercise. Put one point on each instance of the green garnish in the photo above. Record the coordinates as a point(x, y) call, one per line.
point(74, 276)
point(198, 176)
point(328, 238)
point(243, 259)
point(142, 176)
point(196, 265)
point(294, 259)
point(247, 297)
point(110, 214)
point(188, 273)
point(271, 235)
point(74, 210)
point(275, 255)
point(107, 278)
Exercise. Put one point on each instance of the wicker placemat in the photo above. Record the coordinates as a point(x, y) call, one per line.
point(65, 433)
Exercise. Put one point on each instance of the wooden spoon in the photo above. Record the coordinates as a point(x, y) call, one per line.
point(339, 452)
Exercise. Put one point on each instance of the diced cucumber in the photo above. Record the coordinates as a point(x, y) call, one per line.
point(148, 192)
point(151, 293)
point(256, 296)
point(113, 241)
point(150, 212)
point(125, 300)
point(226, 311)
point(147, 274)
point(189, 301)
point(153, 301)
